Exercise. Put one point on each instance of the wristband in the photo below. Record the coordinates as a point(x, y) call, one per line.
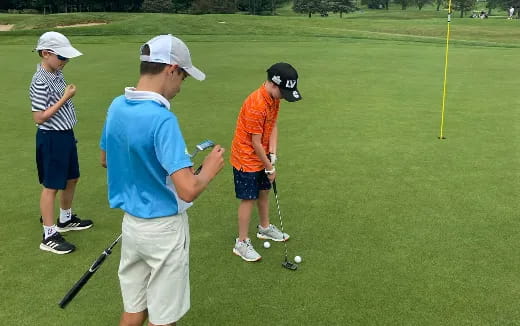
point(270, 172)
point(272, 158)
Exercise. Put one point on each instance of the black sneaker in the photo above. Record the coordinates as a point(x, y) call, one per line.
point(75, 224)
point(56, 244)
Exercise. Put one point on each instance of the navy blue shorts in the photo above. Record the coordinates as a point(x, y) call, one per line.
point(56, 158)
point(249, 184)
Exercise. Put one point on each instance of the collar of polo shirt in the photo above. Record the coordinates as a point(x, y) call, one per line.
point(132, 94)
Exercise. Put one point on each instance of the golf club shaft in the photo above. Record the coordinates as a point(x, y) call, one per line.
point(280, 216)
point(195, 152)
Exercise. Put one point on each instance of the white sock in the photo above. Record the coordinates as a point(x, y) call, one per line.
point(65, 215)
point(49, 230)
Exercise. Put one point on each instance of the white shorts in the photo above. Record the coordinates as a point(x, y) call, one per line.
point(154, 267)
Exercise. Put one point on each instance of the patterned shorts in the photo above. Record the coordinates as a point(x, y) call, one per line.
point(249, 184)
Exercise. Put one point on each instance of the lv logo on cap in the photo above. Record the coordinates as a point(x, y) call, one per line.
point(290, 83)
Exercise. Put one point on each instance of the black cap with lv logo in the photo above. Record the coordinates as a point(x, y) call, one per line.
point(285, 76)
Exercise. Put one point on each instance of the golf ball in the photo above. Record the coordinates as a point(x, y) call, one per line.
point(298, 259)
point(267, 244)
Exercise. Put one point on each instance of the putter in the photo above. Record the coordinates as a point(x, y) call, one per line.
point(200, 147)
point(286, 264)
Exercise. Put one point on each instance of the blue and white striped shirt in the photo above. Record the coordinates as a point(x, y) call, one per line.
point(46, 90)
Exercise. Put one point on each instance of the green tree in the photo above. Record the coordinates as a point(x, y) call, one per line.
point(421, 3)
point(342, 6)
point(201, 7)
point(222, 6)
point(181, 5)
point(404, 3)
point(439, 3)
point(492, 4)
point(259, 7)
point(464, 6)
point(157, 6)
point(506, 4)
point(324, 6)
point(107, 5)
point(311, 6)
point(375, 4)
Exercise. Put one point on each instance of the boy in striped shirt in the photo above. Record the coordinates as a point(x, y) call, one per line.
point(56, 152)
point(253, 155)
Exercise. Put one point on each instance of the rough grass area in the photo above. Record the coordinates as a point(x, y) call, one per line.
point(411, 25)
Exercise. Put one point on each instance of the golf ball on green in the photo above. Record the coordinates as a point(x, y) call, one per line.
point(298, 259)
point(267, 244)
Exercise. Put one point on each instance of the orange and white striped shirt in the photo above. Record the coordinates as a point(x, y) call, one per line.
point(257, 116)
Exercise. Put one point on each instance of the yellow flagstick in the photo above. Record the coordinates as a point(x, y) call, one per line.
point(445, 72)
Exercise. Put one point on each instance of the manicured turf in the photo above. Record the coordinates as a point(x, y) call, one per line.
point(395, 226)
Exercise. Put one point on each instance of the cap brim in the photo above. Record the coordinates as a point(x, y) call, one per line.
point(67, 52)
point(195, 73)
point(291, 95)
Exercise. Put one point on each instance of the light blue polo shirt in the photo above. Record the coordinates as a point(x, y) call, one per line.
point(144, 146)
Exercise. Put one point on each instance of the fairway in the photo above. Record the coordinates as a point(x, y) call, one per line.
point(395, 227)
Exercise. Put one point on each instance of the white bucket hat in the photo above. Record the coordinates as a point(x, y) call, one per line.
point(170, 50)
point(57, 43)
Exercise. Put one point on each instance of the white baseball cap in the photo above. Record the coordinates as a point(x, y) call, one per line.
point(170, 50)
point(57, 43)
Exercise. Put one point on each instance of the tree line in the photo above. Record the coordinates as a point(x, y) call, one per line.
point(254, 7)
point(323, 7)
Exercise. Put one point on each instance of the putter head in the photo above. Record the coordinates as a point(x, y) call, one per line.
point(291, 266)
point(205, 145)
point(201, 147)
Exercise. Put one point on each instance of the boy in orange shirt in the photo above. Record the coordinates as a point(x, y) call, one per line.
point(253, 155)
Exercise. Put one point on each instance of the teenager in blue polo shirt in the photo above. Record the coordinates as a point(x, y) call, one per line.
point(150, 178)
point(56, 152)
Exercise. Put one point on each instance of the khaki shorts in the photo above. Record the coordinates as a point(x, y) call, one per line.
point(154, 267)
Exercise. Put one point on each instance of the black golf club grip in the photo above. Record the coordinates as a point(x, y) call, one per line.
point(83, 280)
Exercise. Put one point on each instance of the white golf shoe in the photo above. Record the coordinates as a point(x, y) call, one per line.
point(245, 250)
point(271, 233)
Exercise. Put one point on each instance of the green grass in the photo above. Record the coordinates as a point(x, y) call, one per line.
point(395, 226)
point(410, 25)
